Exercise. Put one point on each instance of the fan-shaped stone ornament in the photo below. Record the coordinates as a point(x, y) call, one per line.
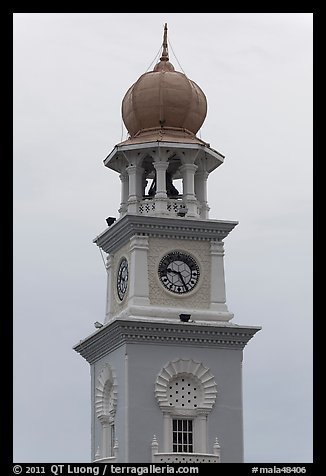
point(172, 373)
point(106, 395)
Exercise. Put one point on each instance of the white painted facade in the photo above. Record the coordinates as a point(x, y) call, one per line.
point(144, 354)
point(166, 367)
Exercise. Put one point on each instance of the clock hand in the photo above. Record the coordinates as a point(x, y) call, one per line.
point(170, 270)
point(183, 282)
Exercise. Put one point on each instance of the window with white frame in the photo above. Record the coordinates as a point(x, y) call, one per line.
point(182, 436)
point(186, 392)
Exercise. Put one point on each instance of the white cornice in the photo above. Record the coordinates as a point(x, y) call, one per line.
point(214, 157)
point(123, 229)
point(120, 332)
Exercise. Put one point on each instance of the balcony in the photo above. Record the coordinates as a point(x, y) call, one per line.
point(185, 458)
point(172, 457)
point(173, 207)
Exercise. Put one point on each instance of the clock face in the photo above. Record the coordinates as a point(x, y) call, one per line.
point(122, 278)
point(178, 272)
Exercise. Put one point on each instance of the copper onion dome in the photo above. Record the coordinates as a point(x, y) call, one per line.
point(164, 99)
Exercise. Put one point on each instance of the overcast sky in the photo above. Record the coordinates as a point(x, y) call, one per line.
point(71, 72)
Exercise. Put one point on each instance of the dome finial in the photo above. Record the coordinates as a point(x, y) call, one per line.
point(165, 54)
point(164, 64)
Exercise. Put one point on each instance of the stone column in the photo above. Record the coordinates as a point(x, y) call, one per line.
point(189, 197)
point(160, 194)
point(139, 182)
point(218, 296)
point(135, 174)
point(161, 168)
point(201, 177)
point(124, 177)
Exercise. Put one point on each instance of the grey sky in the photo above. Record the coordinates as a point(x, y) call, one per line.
point(71, 72)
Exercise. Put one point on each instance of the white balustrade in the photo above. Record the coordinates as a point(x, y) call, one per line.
point(173, 207)
point(185, 458)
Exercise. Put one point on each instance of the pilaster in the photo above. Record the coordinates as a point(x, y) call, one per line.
point(108, 266)
point(138, 288)
point(201, 430)
point(218, 295)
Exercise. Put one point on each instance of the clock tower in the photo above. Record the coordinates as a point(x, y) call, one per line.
point(166, 366)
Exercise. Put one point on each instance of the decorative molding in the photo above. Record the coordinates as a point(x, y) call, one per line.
point(138, 242)
point(217, 248)
point(192, 369)
point(120, 332)
point(117, 158)
point(106, 395)
point(217, 313)
point(118, 234)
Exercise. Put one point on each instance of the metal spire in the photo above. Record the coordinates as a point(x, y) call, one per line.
point(165, 54)
point(164, 64)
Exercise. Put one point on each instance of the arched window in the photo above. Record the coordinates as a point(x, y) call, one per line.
point(105, 408)
point(186, 392)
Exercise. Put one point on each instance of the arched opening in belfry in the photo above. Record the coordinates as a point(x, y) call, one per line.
point(173, 178)
point(148, 178)
point(174, 187)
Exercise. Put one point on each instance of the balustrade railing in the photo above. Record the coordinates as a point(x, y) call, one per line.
point(172, 206)
point(185, 458)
